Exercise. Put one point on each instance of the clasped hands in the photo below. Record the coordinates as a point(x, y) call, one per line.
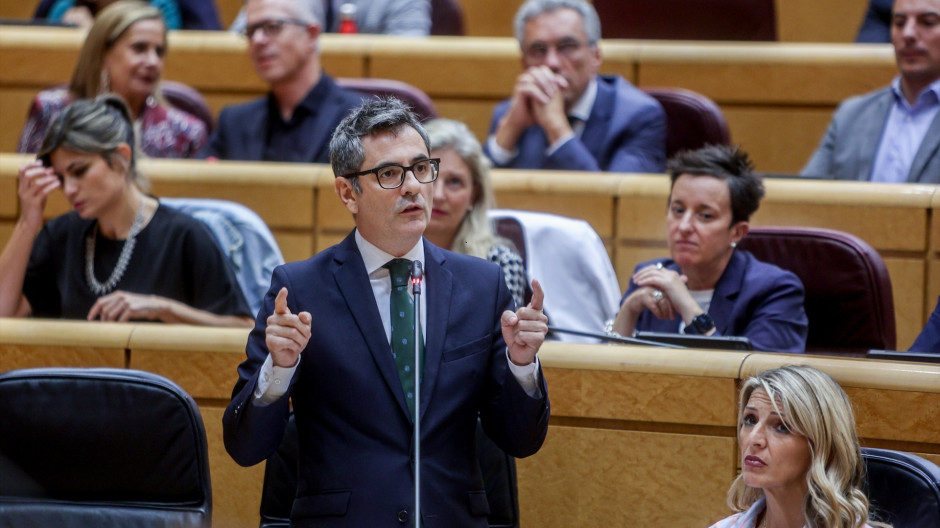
point(660, 290)
point(524, 330)
point(537, 99)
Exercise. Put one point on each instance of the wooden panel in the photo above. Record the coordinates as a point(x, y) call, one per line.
point(798, 132)
point(768, 72)
point(201, 374)
point(595, 210)
point(294, 245)
point(236, 490)
point(9, 199)
point(14, 107)
point(278, 206)
point(595, 477)
point(896, 415)
point(475, 113)
point(808, 21)
point(16, 356)
point(907, 283)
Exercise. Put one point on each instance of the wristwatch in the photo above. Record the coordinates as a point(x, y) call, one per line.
point(701, 324)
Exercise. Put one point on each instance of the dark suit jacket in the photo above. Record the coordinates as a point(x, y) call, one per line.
point(876, 26)
point(354, 427)
point(929, 338)
point(626, 132)
point(753, 299)
point(848, 150)
point(242, 129)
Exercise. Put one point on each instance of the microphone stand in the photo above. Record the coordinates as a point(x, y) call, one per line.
point(417, 275)
point(613, 339)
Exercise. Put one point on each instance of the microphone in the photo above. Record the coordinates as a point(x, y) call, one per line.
point(417, 275)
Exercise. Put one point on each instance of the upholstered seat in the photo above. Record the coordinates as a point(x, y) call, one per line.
point(415, 98)
point(100, 447)
point(752, 20)
point(692, 120)
point(849, 302)
point(446, 17)
point(903, 489)
point(188, 99)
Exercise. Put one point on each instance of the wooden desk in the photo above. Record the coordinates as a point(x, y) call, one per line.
point(778, 98)
point(629, 425)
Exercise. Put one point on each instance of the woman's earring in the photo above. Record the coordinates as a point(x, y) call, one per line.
point(734, 245)
point(104, 83)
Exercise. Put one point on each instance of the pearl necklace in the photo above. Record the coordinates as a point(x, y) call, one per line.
point(127, 250)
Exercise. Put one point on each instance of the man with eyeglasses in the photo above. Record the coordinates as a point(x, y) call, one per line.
point(562, 114)
point(293, 122)
point(328, 340)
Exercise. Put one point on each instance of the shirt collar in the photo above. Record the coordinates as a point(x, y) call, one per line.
point(374, 258)
point(932, 88)
point(308, 105)
point(582, 108)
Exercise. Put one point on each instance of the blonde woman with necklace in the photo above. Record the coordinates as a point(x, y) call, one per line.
point(119, 255)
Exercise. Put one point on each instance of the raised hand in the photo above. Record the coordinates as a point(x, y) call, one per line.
point(524, 330)
point(287, 334)
point(35, 184)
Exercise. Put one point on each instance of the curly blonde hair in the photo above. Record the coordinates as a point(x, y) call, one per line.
point(814, 406)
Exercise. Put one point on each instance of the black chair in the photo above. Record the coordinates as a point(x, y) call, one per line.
point(903, 489)
point(188, 99)
point(106, 448)
point(280, 481)
point(849, 302)
point(446, 17)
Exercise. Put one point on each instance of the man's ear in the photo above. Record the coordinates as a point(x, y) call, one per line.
point(347, 194)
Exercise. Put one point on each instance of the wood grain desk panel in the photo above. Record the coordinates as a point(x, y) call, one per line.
point(236, 490)
point(30, 343)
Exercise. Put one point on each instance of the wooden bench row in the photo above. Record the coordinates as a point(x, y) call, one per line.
point(638, 436)
point(777, 98)
point(627, 210)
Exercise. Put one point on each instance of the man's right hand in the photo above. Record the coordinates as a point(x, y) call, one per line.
point(287, 334)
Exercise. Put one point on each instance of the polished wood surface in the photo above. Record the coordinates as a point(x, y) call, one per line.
point(627, 210)
point(777, 97)
point(629, 424)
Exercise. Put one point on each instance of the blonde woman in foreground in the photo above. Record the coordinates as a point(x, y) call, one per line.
point(801, 462)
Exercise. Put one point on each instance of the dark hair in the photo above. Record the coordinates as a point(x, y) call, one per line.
point(374, 115)
point(94, 126)
point(730, 164)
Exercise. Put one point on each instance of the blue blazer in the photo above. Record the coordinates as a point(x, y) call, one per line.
point(242, 129)
point(753, 299)
point(626, 132)
point(929, 338)
point(355, 431)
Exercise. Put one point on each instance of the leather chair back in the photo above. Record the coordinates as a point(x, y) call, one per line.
point(903, 489)
point(414, 97)
point(752, 20)
point(189, 100)
point(446, 17)
point(849, 302)
point(280, 481)
point(692, 120)
point(100, 447)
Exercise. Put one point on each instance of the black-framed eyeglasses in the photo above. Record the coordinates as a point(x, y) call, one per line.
point(392, 176)
point(272, 27)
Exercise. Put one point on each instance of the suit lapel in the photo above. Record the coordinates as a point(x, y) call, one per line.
point(253, 140)
point(869, 137)
point(439, 281)
point(726, 291)
point(353, 282)
point(929, 148)
point(598, 124)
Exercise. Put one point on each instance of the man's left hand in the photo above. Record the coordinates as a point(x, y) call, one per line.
point(524, 331)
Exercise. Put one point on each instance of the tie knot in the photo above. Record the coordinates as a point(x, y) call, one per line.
point(399, 269)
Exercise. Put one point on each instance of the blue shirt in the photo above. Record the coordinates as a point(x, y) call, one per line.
point(904, 132)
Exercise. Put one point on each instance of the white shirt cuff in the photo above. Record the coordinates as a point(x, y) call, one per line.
point(499, 155)
point(273, 381)
point(527, 376)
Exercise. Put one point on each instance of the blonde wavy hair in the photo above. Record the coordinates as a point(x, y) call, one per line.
point(109, 25)
point(475, 235)
point(814, 406)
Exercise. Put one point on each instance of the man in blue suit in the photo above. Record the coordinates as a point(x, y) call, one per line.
point(562, 114)
point(322, 342)
point(294, 121)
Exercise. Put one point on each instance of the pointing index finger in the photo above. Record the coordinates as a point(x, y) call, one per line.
point(537, 296)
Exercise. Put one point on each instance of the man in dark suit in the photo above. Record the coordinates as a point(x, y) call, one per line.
point(322, 341)
point(294, 121)
point(562, 114)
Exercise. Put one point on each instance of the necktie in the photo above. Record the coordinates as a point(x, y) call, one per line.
point(402, 321)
